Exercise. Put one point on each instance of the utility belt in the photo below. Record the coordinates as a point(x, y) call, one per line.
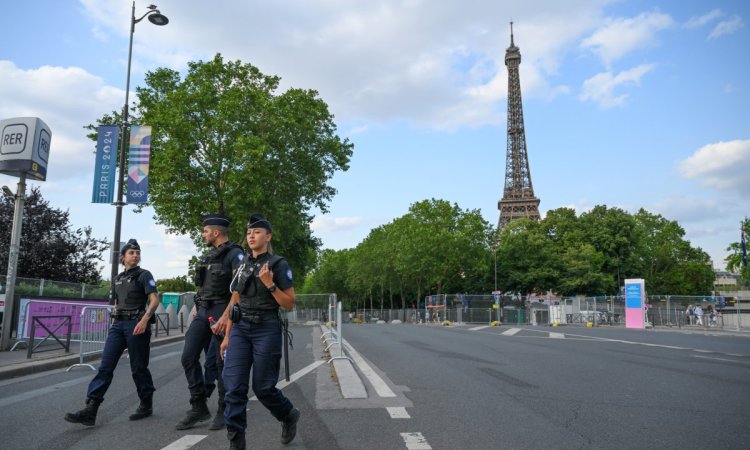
point(253, 315)
point(209, 303)
point(128, 314)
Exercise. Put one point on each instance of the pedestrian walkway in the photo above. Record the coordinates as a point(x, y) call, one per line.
point(16, 364)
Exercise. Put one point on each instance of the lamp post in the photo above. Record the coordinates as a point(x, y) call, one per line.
point(157, 18)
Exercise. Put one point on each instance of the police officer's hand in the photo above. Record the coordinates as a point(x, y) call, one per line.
point(223, 347)
point(140, 327)
point(221, 325)
point(265, 275)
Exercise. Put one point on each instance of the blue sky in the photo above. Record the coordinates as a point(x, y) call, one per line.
point(626, 103)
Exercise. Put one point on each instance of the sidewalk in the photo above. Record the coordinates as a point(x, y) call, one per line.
point(16, 364)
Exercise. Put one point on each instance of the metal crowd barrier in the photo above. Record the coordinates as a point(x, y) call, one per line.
point(162, 321)
point(337, 337)
point(50, 333)
point(94, 329)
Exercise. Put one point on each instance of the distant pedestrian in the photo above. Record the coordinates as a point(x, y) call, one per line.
point(689, 315)
point(135, 300)
point(698, 312)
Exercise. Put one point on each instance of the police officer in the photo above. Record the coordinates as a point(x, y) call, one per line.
point(214, 275)
point(135, 300)
point(263, 284)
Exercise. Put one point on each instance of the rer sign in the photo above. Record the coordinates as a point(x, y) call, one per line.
point(24, 147)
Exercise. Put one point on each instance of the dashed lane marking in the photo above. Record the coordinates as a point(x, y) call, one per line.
point(398, 412)
point(720, 359)
point(510, 332)
point(415, 441)
point(479, 328)
point(554, 335)
point(185, 442)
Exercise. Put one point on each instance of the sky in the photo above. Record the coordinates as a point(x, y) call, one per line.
point(629, 104)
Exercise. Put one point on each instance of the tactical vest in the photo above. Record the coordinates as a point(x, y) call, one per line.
point(129, 293)
point(254, 295)
point(213, 277)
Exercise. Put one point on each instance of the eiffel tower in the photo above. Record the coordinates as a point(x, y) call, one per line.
point(518, 197)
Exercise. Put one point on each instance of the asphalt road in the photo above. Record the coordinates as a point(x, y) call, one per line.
point(436, 387)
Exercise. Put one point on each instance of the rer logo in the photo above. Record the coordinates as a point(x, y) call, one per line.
point(13, 139)
point(44, 140)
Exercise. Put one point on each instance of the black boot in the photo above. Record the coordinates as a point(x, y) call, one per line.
point(218, 422)
point(236, 440)
point(289, 426)
point(86, 416)
point(145, 409)
point(198, 413)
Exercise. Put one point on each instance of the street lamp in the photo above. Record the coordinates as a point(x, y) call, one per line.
point(157, 18)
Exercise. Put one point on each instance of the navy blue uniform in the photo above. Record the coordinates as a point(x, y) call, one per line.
point(213, 294)
point(132, 289)
point(255, 342)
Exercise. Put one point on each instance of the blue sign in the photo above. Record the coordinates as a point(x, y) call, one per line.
point(633, 296)
point(106, 157)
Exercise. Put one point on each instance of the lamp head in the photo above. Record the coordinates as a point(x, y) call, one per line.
point(157, 18)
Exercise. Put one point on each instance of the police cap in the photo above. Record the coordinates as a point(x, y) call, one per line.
point(216, 219)
point(258, 221)
point(132, 243)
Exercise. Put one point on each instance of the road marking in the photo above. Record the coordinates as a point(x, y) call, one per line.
point(185, 442)
point(415, 441)
point(65, 384)
point(479, 328)
point(720, 359)
point(510, 332)
point(378, 384)
point(398, 412)
point(554, 335)
point(295, 376)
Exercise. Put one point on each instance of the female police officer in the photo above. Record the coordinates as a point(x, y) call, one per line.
point(135, 301)
point(254, 338)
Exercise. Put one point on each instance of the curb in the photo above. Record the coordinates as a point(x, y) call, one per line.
point(33, 367)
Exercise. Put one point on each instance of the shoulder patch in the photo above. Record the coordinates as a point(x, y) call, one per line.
point(152, 282)
point(240, 256)
point(289, 274)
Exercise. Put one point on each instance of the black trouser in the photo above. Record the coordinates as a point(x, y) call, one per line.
point(197, 337)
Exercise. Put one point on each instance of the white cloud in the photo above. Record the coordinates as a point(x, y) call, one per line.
point(333, 224)
point(621, 36)
point(66, 99)
point(722, 165)
point(601, 87)
point(433, 66)
point(699, 21)
point(726, 27)
point(683, 208)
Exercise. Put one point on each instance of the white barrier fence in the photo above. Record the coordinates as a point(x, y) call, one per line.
point(94, 329)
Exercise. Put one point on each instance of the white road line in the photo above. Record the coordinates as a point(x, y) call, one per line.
point(185, 442)
point(398, 412)
point(415, 441)
point(554, 335)
point(479, 328)
point(720, 359)
point(295, 376)
point(380, 386)
point(510, 332)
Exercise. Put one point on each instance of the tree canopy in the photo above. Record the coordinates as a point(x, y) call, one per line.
point(224, 140)
point(735, 258)
point(438, 248)
point(50, 249)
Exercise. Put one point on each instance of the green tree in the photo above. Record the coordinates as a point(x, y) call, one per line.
point(526, 259)
point(224, 140)
point(670, 264)
point(50, 249)
point(734, 259)
point(177, 284)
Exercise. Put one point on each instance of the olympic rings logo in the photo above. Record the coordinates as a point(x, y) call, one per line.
point(137, 194)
